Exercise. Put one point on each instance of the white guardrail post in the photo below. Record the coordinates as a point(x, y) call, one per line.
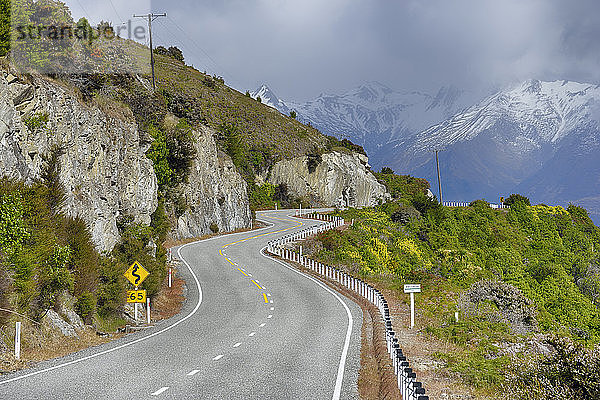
point(409, 387)
point(18, 340)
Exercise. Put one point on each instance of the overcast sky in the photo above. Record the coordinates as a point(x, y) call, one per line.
point(302, 48)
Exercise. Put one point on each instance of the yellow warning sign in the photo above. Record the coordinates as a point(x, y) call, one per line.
point(136, 296)
point(136, 274)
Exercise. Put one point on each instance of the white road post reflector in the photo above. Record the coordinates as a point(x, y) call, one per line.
point(170, 276)
point(412, 289)
point(18, 340)
point(148, 310)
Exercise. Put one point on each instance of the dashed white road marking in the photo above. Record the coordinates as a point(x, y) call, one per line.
point(252, 334)
point(193, 372)
point(238, 344)
point(263, 324)
point(272, 308)
point(217, 358)
point(269, 294)
point(269, 316)
point(160, 391)
point(271, 301)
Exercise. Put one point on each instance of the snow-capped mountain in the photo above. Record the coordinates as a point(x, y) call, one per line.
point(371, 115)
point(269, 98)
point(541, 139)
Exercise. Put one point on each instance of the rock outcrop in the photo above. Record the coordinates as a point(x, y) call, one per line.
point(103, 166)
point(334, 179)
point(215, 192)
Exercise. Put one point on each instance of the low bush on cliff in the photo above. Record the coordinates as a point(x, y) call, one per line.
point(44, 253)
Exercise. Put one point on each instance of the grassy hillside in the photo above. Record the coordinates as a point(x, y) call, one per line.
point(512, 275)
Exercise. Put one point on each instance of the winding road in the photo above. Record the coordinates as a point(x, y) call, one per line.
point(251, 328)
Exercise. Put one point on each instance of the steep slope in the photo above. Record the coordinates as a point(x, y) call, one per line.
point(103, 167)
point(268, 97)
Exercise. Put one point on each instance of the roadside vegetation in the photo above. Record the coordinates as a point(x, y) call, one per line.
point(522, 278)
point(46, 255)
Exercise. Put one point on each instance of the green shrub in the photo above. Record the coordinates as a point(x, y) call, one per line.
point(262, 197)
point(111, 289)
point(514, 198)
point(36, 121)
point(5, 9)
point(85, 305)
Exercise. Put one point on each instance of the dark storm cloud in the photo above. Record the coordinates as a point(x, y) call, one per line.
point(303, 48)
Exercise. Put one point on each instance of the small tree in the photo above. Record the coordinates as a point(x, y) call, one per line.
point(258, 99)
point(514, 198)
point(176, 53)
point(247, 94)
point(293, 114)
point(387, 171)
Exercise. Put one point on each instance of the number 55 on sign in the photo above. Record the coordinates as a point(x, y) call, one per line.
point(136, 296)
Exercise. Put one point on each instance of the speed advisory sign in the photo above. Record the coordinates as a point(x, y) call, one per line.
point(136, 296)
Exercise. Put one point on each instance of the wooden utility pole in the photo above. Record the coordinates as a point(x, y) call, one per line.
point(151, 17)
point(437, 163)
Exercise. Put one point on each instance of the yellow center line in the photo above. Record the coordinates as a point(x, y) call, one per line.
point(299, 224)
point(257, 285)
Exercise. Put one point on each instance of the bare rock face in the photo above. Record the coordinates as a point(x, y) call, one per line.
point(55, 321)
point(102, 159)
point(336, 179)
point(215, 193)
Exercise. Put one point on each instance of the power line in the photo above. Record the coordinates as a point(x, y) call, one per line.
point(219, 67)
point(116, 12)
point(151, 17)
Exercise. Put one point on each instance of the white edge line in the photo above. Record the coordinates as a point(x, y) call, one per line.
point(18, 378)
point(160, 391)
point(217, 358)
point(340, 375)
point(193, 372)
point(125, 344)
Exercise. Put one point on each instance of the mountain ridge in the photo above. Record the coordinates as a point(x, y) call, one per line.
point(518, 139)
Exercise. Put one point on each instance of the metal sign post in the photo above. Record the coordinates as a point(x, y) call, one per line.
point(135, 308)
point(412, 289)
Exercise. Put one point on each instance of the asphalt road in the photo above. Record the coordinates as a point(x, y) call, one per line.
point(251, 328)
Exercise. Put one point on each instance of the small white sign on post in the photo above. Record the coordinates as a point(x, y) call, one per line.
point(412, 289)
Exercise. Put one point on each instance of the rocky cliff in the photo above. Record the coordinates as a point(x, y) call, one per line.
point(103, 166)
point(102, 163)
point(332, 179)
point(215, 193)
